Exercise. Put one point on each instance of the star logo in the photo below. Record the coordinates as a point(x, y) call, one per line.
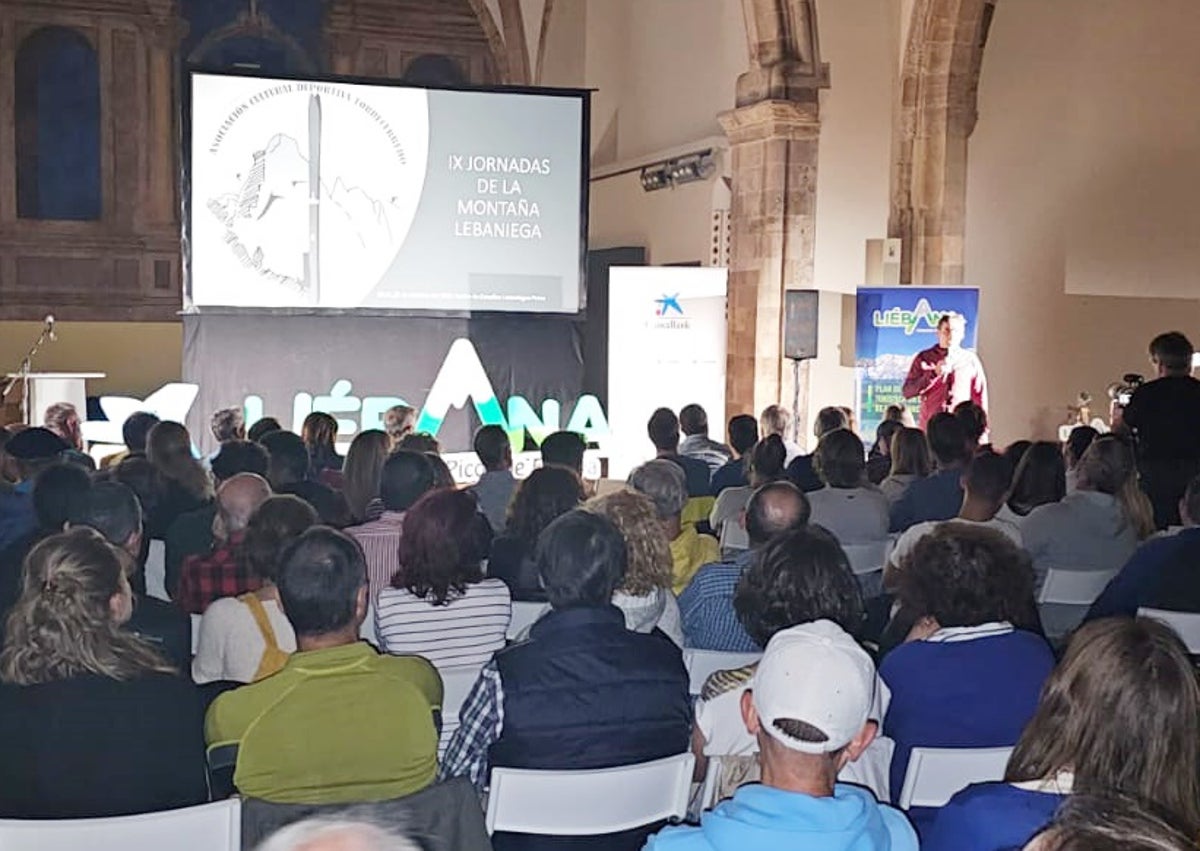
point(668, 303)
point(169, 402)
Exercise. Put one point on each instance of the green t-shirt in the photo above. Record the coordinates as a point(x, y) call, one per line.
point(333, 726)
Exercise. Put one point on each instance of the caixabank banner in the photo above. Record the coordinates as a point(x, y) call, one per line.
point(894, 324)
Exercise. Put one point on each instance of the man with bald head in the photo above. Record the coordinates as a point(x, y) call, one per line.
point(222, 572)
point(706, 605)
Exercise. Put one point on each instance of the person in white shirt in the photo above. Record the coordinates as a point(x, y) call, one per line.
point(911, 460)
point(854, 511)
point(243, 639)
point(440, 606)
point(985, 484)
point(495, 487)
point(775, 420)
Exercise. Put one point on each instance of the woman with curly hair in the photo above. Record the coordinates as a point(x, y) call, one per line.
point(1119, 715)
point(645, 593)
point(547, 494)
point(967, 677)
point(440, 606)
point(93, 721)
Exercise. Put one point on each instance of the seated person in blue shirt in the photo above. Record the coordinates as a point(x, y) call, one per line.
point(706, 604)
point(940, 496)
point(583, 691)
point(1120, 714)
point(29, 452)
point(808, 707)
point(663, 429)
point(1161, 573)
point(743, 434)
point(967, 677)
point(1110, 822)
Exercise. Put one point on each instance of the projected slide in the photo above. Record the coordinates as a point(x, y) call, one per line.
point(312, 194)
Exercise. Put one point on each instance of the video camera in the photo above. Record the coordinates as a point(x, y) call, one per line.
point(1121, 391)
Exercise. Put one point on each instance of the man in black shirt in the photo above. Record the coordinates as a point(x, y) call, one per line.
point(1164, 417)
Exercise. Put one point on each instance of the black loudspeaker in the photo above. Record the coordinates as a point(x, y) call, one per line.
point(800, 324)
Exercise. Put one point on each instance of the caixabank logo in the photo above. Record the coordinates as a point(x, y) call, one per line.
point(668, 314)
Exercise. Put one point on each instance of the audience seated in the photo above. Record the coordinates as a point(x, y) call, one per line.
point(182, 484)
point(405, 478)
point(32, 450)
point(440, 606)
point(289, 475)
point(1039, 479)
point(442, 477)
point(360, 475)
point(564, 449)
point(112, 509)
point(663, 429)
point(939, 496)
point(644, 594)
point(879, 459)
point(583, 691)
point(93, 721)
point(847, 505)
point(776, 420)
point(743, 434)
point(663, 481)
point(1161, 573)
point(495, 487)
point(974, 421)
point(800, 469)
point(1078, 441)
point(1015, 451)
point(319, 433)
point(399, 421)
point(262, 428)
point(134, 431)
point(800, 577)
point(245, 638)
point(1113, 823)
point(765, 466)
point(419, 441)
point(1099, 525)
point(192, 533)
point(967, 677)
point(706, 604)
point(910, 461)
point(62, 419)
point(548, 493)
point(223, 572)
point(693, 422)
point(228, 424)
point(340, 722)
point(808, 709)
point(1120, 714)
point(985, 484)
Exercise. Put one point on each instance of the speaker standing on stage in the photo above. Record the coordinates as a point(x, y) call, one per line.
point(946, 375)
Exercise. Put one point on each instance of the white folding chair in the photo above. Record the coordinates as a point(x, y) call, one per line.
point(156, 571)
point(589, 803)
point(367, 631)
point(701, 663)
point(1066, 596)
point(733, 537)
point(195, 633)
point(457, 682)
point(934, 775)
point(1185, 624)
point(209, 827)
point(523, 616)
point(867, 561)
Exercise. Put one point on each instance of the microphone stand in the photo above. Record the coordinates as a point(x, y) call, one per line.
point(22, 373)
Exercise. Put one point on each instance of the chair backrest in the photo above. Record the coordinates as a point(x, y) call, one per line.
point(1185, 624)
point(156, 571)
point(523, 616)
point(367, 631)
point(869, 557)
point(733, 536)
point(701, 663)
point(195, 633)
point(209, 827)
point(1074, 587)
point(457, 683)
point(587, 803)
point(935, 774)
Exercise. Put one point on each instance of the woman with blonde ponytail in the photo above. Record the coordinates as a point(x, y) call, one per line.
point(93, 721)
point(1099, 525)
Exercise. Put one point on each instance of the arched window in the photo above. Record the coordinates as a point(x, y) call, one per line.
point(434, 69)
point(57, 126)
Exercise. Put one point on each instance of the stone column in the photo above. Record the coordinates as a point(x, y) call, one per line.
point(162, 166)
point(774, 146)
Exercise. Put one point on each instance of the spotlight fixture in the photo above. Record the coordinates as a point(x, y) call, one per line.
point(686, 169)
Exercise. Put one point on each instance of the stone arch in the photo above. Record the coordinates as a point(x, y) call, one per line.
point(935, 117)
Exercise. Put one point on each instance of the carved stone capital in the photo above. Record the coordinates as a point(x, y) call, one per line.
point(772, 119)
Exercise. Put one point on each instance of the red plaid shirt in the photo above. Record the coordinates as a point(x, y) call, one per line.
point(221, 573)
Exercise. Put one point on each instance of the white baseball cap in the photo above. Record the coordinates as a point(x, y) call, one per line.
point(815, 673)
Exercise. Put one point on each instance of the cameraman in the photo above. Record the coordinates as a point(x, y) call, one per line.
point(1164, 417)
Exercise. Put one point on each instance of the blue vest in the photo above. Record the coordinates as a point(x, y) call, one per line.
point(585, 692)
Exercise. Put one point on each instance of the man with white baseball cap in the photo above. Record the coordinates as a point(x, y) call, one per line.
point(808, 707)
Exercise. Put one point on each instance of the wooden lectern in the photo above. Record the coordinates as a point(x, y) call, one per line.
point(40, 390)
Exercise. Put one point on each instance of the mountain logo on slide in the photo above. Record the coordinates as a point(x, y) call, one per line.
point(668, 303)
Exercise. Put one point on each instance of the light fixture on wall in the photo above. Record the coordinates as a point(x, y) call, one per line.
point(686, 169)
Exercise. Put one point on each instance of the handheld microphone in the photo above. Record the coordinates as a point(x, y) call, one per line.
point(50, 327)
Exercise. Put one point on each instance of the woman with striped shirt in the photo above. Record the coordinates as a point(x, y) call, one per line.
point(440, 606)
